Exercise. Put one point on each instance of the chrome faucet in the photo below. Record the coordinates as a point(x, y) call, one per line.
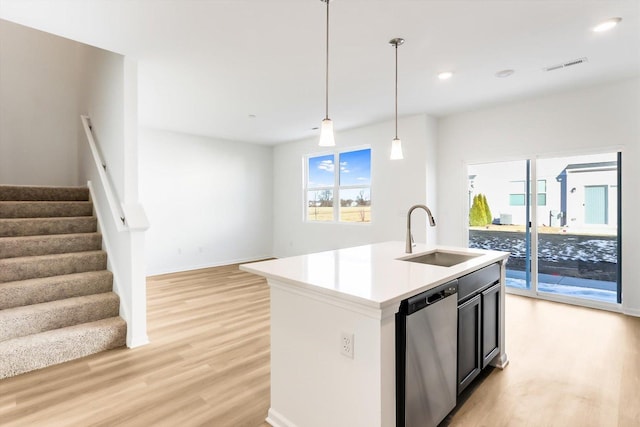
point(432, 222)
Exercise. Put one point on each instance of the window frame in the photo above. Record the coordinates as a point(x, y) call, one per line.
point(336, 188)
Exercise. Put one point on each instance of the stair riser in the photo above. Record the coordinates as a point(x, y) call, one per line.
point(34, 319)
point(56, 299)
point(26, 354)
point(37, 291)
point(13, 209)
point(12, 247)
point(9, 192)
point(13, 269)
point(15, 227)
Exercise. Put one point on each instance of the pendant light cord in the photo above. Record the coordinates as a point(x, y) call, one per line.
point(396, 90)
point(326, 96)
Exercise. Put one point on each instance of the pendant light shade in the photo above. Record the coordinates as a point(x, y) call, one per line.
point(396, 144)
point(326, 131)
point(326, 134)
point(396, 149)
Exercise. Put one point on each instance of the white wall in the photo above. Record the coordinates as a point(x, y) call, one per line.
point(596, 119)
point(46, 82)
point(395, 186)
point(103, 100)
point(209, 201)
point(39, 114)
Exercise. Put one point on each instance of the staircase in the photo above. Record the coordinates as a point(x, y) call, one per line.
point(56, 299)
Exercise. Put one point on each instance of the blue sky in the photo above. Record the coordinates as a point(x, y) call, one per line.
point(355, 169)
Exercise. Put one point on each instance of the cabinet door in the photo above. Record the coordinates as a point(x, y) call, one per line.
point(490, 324)
point(469, 334)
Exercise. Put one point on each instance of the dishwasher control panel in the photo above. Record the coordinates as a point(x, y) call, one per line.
point(429, 297)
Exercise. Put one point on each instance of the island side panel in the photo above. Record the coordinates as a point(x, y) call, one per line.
point(312, 383)
point(388, 363)
point(501, 361)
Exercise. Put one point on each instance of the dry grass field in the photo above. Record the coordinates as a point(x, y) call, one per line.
point(350, 214)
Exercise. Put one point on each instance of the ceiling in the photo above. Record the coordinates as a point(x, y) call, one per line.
point(206, 66)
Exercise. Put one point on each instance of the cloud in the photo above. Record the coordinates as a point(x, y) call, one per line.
point(361, 178)
point(326, 165)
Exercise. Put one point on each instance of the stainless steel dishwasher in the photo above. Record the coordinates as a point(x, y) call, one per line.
point(426, 356)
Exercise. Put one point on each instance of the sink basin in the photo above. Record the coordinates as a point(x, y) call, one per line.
point(440, 258)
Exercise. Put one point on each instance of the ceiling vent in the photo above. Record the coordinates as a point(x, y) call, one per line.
point(566, 64)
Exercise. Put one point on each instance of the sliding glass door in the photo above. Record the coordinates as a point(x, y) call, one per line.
point(578, 228)
point(573, 250)
point(502, 192)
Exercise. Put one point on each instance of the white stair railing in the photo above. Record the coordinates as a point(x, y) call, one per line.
point(116, 208)
point(122, 226)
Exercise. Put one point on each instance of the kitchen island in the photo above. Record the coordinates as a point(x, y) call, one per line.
point(333, 330)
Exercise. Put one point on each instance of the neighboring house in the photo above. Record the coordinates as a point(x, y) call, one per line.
point(577, 195)
point(589, 194)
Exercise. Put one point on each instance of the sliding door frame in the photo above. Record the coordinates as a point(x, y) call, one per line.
point(531, 233)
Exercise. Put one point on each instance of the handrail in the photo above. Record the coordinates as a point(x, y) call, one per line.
point(114, 205)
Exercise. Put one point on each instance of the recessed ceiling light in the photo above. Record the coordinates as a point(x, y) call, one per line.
point(445, 75)
point(504, 73)
point(607, 25)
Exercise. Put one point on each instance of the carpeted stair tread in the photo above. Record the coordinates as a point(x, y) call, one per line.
point(13, 247)
point(24, 354)
point(39, 209)
point(45, 289)
point(23, 268)
point(39, 193)
point(14, 227)
point(56, 299)
point(33, 319)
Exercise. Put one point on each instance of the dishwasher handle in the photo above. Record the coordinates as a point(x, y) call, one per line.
point(430, 297)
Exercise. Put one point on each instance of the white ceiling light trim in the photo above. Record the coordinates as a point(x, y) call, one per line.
point(607, 25)
point(504, 73)
point(445, 75)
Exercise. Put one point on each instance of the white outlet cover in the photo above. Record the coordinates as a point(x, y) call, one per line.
point(346, 344)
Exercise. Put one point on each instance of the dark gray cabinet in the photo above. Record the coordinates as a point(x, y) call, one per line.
point(469, 334)
point(478, 322)
point(490, 324)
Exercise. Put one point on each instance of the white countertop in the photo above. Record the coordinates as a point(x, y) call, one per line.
point(371, 275)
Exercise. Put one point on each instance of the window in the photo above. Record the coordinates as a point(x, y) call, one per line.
point(517, 193)
point(343, 192)
point(542, 192)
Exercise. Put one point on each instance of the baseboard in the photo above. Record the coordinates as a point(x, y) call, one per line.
point(275, 419)
point(137, 341)
point(207, 265)
point(631, 311)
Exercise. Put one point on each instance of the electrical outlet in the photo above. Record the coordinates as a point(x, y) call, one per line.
point(346, 344)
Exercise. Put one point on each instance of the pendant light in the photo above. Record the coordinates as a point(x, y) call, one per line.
point(396, 144)
point(326, 130)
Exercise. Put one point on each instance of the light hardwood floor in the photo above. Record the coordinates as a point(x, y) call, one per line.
point(208, 364)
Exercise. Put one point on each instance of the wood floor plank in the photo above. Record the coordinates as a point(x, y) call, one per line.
point(208, 365)
point(566, 368)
